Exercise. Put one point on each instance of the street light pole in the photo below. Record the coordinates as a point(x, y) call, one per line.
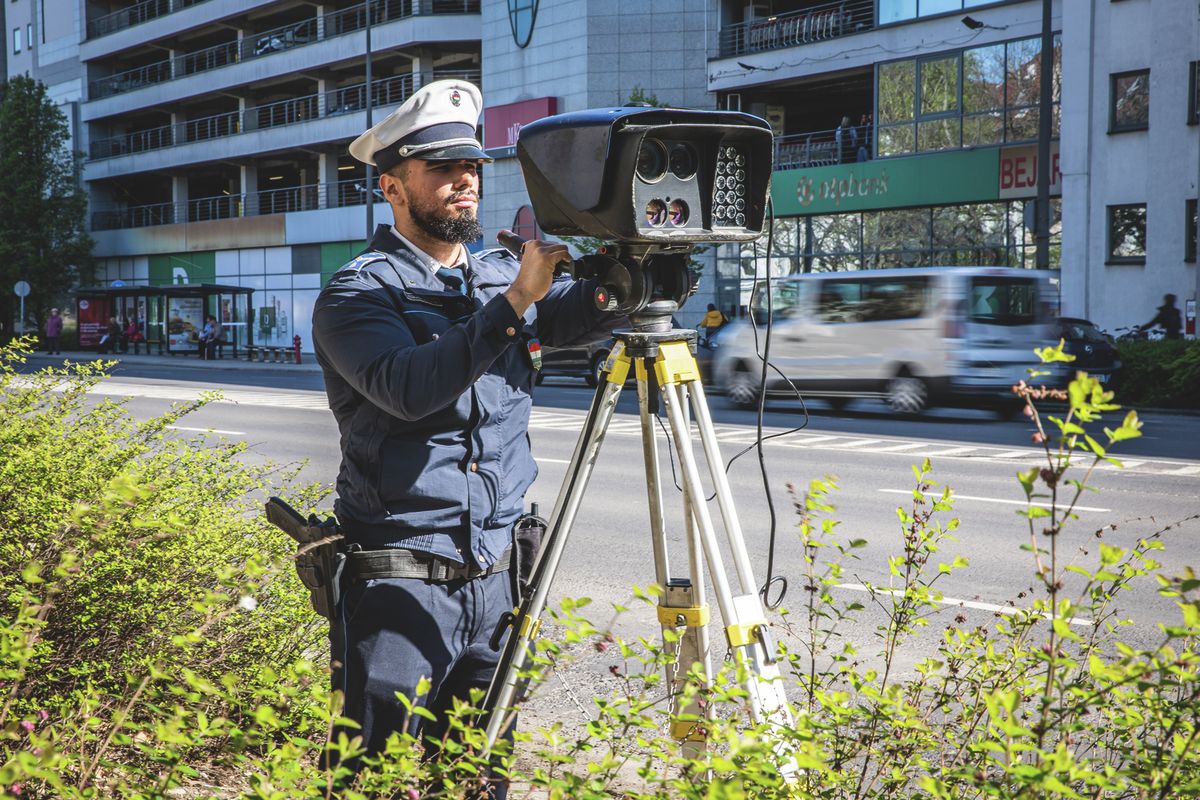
point(370, 168)
point(1045, 109)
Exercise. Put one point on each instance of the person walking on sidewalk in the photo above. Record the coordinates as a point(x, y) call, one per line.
point(54, 326)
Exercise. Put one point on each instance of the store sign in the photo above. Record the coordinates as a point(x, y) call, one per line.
point(1018, 171)
point(960, 176)
point(502, 124)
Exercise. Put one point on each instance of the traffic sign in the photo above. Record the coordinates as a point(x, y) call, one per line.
point(21, 289)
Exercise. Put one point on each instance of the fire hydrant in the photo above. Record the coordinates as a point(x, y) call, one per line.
point(296, 347)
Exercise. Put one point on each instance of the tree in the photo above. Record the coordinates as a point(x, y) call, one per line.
point(43, 234)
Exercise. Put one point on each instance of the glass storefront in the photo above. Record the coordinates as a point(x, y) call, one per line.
point(976, 234)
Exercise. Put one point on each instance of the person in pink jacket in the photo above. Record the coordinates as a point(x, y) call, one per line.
point(54, 326)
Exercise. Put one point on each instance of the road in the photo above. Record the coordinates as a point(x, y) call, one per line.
point(284, 418)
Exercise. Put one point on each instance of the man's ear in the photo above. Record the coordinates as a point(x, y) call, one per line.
point(393, 189)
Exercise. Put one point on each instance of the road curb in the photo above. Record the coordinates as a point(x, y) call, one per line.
point(226, 364)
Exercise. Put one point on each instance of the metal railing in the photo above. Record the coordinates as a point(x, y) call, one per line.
point(817, 23)
point(309, 197)
point(135, 14)
point(344, 100)
point(286, 37)
point(823, 148)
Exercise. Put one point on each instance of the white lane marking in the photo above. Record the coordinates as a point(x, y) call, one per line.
point(896, 448)
point(1016, 453)
point(953, 451)
point(1193, 470)
point(959, 603)
point(206, 430)
point(957, 496)
point(551, 460)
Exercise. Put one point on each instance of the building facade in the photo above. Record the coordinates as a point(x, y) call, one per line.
point(215, 131)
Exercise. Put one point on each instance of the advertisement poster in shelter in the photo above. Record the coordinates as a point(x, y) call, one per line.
point(92, 313)
point(184, 321)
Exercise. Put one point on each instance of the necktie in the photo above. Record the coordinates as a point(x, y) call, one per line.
point(455, 278)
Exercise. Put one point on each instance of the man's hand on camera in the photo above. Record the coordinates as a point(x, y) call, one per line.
point(538, 261)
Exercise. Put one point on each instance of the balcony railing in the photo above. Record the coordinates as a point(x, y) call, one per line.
point(257, 45)
point(815, 24)
point(344, 100)
point(823, 148)
point(135, 14)
point(310, 197)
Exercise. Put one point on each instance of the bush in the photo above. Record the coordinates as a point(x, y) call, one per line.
point(154, 639)
point(1160, 374)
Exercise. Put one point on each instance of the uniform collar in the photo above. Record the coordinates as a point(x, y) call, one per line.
point(428, 261)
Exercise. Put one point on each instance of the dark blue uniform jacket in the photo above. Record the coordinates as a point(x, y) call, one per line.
point(432, 392)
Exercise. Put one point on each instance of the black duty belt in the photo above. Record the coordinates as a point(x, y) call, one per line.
point(364, 565)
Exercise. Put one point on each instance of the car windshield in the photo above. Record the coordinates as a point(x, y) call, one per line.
point(1004, 301)
point(1072, 330)
point(784, 295)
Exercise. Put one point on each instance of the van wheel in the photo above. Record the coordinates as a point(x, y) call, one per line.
point(538, 378)
point(743, 390)
point(907, 394)
point(838, 403)
point(596, 368)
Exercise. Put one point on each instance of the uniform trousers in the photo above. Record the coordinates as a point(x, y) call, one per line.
point(394, 631)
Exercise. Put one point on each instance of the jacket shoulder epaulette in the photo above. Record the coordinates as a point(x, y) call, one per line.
point(360, 262)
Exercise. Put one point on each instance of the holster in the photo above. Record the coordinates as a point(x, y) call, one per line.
point(528, 532)
point(319, 557)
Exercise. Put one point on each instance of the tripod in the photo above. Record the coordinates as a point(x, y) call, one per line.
point(662, 357)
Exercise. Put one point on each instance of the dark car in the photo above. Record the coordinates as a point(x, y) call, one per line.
point(580, 361)
point(1094, 351)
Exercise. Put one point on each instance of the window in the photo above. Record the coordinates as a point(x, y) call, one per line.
point(871, 300)
point(1127, 234)
point(980, 96)
point(1129, 106)
point(16, 40)
point(1191, 227)
point(1003, 301)
point(29, 36)
point(525, 223)
point(1193, 116)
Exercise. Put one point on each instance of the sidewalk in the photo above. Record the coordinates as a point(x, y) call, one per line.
point(185, 361)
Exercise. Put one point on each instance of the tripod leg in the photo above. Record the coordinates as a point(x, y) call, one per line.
point(746, 626)
point(681, 604)
point(526, 619)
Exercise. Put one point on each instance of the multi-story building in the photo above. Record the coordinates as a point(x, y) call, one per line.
point(906, 130)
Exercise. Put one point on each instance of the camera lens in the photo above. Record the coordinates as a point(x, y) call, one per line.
point(652, 161)
point(683, 161)
point(656, 212)
point(740, 160)
point(740, 204)
point(679, 212)
point(740, 175)
point(720, 181)
point(740, 219)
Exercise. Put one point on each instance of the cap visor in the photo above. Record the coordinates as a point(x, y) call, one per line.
point(455, 153)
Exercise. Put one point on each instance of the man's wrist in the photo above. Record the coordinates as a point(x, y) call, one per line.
point(519, 300)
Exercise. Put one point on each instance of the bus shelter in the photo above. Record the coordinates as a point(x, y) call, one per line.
point(168, 317)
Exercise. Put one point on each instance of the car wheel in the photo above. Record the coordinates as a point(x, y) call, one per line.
point(743, 389)
point(597, 368)
point(907, 394)
point(539, 377)
point(838, 403)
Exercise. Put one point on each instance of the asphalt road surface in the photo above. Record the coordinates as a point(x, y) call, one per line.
point(284, 418)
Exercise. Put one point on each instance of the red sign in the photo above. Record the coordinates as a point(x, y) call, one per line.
point(93, 314)
point(501, 124)
point(1018, 171)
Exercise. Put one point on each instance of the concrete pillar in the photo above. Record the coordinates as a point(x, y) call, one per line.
point(320, 22)
point(422, 67)
point(327, 174)
point(171, 56)
point(179, 197)
point(249, 189)
point(322, 96)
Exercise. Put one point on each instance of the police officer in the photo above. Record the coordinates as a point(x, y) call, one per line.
point(429, 354)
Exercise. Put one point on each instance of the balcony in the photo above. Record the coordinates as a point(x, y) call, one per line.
point(312, 197)
point(823, 148)
point(816, 23)
point(343, 100)
point(135, 15)
point(264, 43)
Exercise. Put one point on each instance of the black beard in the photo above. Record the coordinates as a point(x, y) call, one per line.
point(457, 228)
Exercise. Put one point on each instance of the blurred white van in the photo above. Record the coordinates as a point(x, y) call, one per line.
point(912, 337)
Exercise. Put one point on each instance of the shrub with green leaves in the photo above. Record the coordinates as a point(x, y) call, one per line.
point(154, 639)
point(1163, 374)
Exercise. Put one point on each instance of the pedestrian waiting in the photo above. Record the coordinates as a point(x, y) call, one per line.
point(54, 326)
